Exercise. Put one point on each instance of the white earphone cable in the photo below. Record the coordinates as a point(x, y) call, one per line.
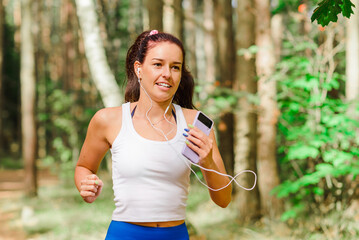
point(232, 179)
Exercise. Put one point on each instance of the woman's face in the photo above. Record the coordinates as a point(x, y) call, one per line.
point(161, 71)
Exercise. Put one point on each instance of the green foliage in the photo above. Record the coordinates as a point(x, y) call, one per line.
point(282, 6)
point(10, 163)
point(66, 123)
point(328, 10)
point(222, 100)
point(317, 136)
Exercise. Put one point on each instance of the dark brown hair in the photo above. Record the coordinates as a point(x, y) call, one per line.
point(138, 52)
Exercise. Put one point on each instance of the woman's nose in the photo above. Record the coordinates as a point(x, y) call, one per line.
point(166, 72)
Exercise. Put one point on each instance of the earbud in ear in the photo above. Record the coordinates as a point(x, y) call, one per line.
point(138, 77)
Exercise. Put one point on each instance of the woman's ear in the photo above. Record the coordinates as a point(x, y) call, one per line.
point(137, 68)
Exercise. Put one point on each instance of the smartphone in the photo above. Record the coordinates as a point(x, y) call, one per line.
point(203, 123)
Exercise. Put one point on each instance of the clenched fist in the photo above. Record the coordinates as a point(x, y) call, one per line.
point(90, 188)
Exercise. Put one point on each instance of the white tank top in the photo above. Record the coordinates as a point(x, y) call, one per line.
point(150, 180)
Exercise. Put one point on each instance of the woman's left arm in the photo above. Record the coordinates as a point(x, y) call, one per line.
point(210, 158)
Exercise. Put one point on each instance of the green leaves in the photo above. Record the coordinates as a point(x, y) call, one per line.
point(318, 139)
point(328, 10)
point(301, 151)
point(347, 8)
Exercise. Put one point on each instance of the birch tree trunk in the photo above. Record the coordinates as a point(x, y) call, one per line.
point(155, 14)
point(247, 202)
point(95, 53)
point(267, 166)
point(352, 55)
point(2, 23)
point(226, 57)
point(28, 99)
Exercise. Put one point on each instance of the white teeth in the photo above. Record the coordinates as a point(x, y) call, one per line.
point(164, 85)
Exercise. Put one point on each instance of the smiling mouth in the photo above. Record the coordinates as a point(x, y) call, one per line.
point(163, 85)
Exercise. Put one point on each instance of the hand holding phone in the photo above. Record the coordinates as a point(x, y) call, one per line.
point(203, 123)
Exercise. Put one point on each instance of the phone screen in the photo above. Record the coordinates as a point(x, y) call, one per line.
point(203, 123)
point(205, 120)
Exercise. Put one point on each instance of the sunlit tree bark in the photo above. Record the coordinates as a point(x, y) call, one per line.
point(173, 17)
point(168, 16)
point(28, 99)
point(155, 14)
point(2, 23)
point(209, 44)
point(226, 63)
point(247, 202)
point(95, 53)
point(267, 165)
point(277, 34)
point(190, 40)
point(352, 54)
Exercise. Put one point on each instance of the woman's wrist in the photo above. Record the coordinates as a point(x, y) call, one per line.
point(209, 164)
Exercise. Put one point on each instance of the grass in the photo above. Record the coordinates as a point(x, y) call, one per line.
point(59, 213)
point(8, 162)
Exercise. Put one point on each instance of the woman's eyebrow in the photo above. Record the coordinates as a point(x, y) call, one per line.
point(160, 59)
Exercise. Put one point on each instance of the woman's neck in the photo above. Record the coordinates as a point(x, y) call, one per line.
point(157, 110)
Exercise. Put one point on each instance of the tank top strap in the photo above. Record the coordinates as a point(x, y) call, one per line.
point(126, 115)
point(180, 116)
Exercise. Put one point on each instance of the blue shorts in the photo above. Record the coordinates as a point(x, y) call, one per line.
point(128, 231)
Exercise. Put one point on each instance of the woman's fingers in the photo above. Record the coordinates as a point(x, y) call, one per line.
point(197, 136)
point(87, 194)
point(91, 187)
point(198, 142)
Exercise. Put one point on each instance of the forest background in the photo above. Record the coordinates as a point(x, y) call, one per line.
point(281, 89)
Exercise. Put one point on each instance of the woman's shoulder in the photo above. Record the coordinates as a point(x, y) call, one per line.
point(107, 116)
point(189, 114)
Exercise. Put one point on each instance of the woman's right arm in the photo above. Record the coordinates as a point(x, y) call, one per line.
point(93, 150)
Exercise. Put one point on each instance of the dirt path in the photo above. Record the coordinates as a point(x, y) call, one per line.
point(11, 192)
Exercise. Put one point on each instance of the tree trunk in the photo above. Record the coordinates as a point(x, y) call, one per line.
point(109, 19)
point(178, 19)
point(168, 16)
point(277, 35)
point(68, 51)
point(28, 99)
point(101, 73)
point(226, 57)
point(209, 46)
point(268, 112)
point(247, 202)
point(155, 14)
point(2, 23)
point(173, 18)
point(134, 20)
point(41, 78)
point(352, 55)
point(190, 39)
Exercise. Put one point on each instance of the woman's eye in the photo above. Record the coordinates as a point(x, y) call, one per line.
point(177, 67)
point(157, 64)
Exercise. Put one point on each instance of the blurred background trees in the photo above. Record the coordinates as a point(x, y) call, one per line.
point(281, 89)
